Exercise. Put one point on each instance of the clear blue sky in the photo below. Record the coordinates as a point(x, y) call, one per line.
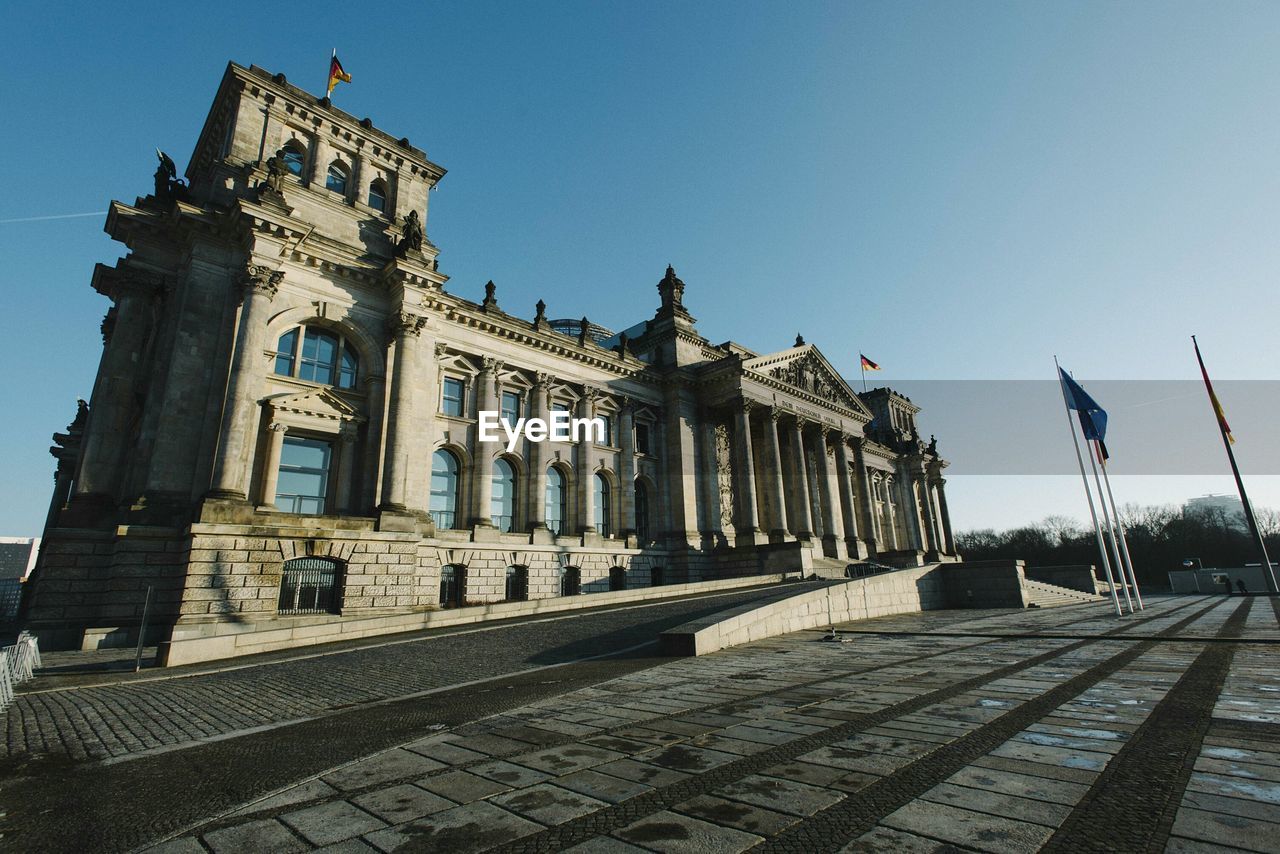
point(960, 190)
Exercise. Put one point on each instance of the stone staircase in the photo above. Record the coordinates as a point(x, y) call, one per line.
point(1044, 595)
point(829, 567)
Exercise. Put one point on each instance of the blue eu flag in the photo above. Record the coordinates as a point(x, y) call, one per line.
point(1093, 418)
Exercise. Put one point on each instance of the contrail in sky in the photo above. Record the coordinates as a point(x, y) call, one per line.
point(55, 216)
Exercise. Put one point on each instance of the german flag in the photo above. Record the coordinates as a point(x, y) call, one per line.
point(1213, 397)
point(868, 365)
point(336, 73)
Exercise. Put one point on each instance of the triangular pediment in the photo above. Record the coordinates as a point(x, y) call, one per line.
point(319, 402)
point(806, 369)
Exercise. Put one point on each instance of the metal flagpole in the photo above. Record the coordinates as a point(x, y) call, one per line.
point(1097, 532)
point(1268, 574)
point(1106, 523)
point(1124, 542)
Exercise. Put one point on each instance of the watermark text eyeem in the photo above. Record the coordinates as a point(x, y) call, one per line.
point(561, 427)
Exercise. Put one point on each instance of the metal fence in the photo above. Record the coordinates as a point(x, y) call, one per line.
point(309, 585)
point(17, 664)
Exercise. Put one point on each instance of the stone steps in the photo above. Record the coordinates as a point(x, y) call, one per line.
point(1051, 596)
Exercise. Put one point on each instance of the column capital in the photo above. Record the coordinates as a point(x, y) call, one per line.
point(278, 427)
point(543, 379)
point(403, 324)
point(490, 365)
point(800, 423)
point(775, 414)
point(260, 279)
point(590, 393)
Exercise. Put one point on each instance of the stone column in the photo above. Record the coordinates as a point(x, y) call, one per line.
point(248, 363)
point(777, 485)
point(375, 394)
point(584, 454)
point(627, 467)
point(932, 537)
point(862, 482)
point(829, 491)
point(482, 452)
point(271, 468)
point(803, 522)
point(537, 501)
point(707, 480)
point(405, 329)
point(748, 512)
point(909, 507)
point(948, 538)
point(848, 505)
point(346, 466)
point(124, 332)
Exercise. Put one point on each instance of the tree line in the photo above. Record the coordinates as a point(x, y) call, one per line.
point(1160, 538)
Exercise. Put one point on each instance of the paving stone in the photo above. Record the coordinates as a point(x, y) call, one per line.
point(605, 787)
point(462, 786)
point(445, 752)
point(566, 758)
point(683, 757)
point(308, 791)
point(735, 814)
point(673, 833)
point(510, 774)
point(886, 840)
point(392, 765)
point(1236, 787)
point(348, 846)
point(547, 804)
point(332, 822)
point(402, 803)
point(1005, 806)
point(183, 845)
point(605, 845)
point(783, 795)
point(263, 835)
point(968, 828)
point(471, 828)
point(1223, 829)
point(1019, 785)
point(641, 772)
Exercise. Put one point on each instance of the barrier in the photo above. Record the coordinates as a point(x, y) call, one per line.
point(17, 665)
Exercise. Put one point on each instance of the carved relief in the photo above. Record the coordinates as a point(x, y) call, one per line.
point(724, 475)
point(261, 280)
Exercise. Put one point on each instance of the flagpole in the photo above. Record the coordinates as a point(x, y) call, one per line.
point(1097, 532)
point(1106, 523)
point(1269, 575)
point(863, 365)
point(1124, 542)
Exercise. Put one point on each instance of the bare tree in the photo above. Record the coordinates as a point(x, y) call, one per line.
point(1062, 529)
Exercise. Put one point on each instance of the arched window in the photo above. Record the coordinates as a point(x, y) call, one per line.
point(502, 507)
point(378, 196)
point(318, 356)
point(452, 586)
point(336, 178)
point(642, 512)
point(295, 157)
point(570, 581)
point(444, 489)
point(517, 584)
point(602, 506)
point(556, 496)
point(617, 578)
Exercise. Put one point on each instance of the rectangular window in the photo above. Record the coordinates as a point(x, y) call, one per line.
point(510, 407)
point(304, 476)
point(642, 439)
point(608, 429)
point(454, 391)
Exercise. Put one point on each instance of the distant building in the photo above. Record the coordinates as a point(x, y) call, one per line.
point(1228, 506)
point(17, 558)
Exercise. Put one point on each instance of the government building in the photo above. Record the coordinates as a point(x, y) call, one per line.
point(283, 427)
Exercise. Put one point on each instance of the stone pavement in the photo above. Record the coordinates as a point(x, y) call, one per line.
point(999, 731)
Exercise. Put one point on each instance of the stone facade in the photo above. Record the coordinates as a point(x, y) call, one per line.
point(283, 303)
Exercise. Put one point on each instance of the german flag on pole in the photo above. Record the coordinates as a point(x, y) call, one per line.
point(336, 73)
point(868, 365)
point(1213, 398)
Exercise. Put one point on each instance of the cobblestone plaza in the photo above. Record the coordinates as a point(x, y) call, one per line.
point(1002, 731)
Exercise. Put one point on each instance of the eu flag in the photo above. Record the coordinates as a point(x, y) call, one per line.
point(1093, 418)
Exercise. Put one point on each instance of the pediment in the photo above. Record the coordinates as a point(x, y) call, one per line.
point(806, 369)
point(318, 403)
